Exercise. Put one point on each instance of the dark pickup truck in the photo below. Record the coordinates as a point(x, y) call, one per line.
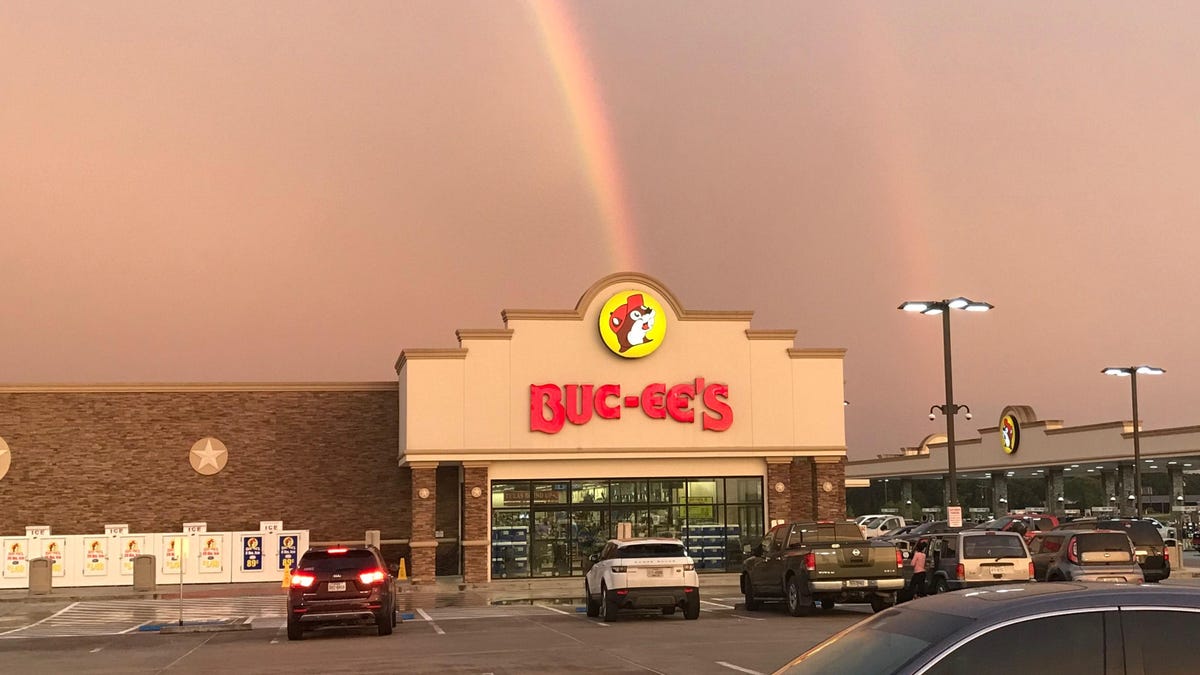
point(823, 562)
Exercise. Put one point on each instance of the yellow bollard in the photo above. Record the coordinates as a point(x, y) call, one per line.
point(287, 574)
point(402, 573)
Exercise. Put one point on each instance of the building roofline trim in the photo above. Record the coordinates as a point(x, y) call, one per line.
point(594, 290)
point(429, 354)
point(187, 387)
point(817, 353)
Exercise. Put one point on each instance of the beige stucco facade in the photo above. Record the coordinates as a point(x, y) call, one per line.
point(774, 411)
point(473, 402)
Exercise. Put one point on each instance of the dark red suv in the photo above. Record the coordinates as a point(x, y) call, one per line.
point(341, 585)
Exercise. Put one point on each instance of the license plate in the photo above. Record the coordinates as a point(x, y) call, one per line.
point(856, 583)
point(654, 573)
point(1140, 552)
point(335, 586)
point(1112, 578)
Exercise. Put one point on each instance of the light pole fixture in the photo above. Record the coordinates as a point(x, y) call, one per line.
point(949, 409)
point(1132, 372)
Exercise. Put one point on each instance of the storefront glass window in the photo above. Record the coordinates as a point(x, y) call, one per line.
point(666, 492)
point(510, 494)
point(743, 490)
point(550, 493)
point(589, 492)
point(706, 491)
point(549, 528)
point(628, 491)
point(637, 516)
point(510, 544)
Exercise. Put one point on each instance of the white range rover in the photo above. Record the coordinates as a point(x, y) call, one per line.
point(649, 573)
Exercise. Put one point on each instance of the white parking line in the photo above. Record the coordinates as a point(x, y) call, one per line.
point(556, 610)
point(738, 668)
point(15, 630)
point(717, 604)
point(431, 623)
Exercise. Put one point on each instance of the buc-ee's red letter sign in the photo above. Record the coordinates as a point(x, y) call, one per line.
point(552, 405)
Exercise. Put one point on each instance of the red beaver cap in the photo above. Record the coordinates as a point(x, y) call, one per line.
point(631, 303)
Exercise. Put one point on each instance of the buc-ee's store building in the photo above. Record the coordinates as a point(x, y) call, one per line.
point(520, 451)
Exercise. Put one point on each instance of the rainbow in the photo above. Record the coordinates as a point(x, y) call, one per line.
point(593, 135)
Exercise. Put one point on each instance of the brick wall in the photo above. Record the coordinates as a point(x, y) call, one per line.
point(478, 560)
point(802, 489)
point(323, 460)
point(778, 503)
point(831, 505)
point(424, 518)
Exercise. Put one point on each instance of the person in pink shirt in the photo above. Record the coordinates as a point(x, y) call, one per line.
point(918, 563)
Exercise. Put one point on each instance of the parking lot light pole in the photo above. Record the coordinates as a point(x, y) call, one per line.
point(950, 409)
point(1132, 372)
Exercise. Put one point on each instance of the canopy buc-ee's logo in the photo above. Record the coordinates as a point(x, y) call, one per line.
point(632, 324)
point(1010, 433)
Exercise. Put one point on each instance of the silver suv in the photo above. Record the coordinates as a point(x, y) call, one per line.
point(1085, 555)
point(976, 558)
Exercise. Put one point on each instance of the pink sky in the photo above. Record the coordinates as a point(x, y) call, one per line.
point(283, 191)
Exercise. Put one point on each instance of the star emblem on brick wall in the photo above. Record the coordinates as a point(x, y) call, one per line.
point(208, 456)
point(5, 458)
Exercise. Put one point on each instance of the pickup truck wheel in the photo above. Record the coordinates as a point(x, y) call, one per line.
point(940, 586)
point(608, 607)
point(798, 602)
point(826, 605)
point(691, 606)
point(880, 603)
point(593, 605)
point(752, 603)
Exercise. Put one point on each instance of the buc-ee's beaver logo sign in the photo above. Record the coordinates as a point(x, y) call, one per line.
point(632, 324)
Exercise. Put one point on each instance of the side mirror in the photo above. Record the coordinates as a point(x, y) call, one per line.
point(756, 550)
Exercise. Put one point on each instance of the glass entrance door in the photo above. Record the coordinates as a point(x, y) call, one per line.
point(551, 543)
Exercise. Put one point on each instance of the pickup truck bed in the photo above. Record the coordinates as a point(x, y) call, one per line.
point(821, 562)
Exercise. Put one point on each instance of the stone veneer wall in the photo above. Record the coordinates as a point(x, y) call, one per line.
point(322, 460)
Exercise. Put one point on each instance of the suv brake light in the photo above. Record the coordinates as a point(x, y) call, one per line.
point(336, 550)
point(620, 569)
point(371, 577)
point(810, 562)
point(688, 567)
point(1167, 555)
point(1073, 550)
point(303, 579)
point(960, 572)
point(1031, 573)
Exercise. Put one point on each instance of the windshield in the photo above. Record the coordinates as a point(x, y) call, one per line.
point(993, 546)
point(881, 644)
point(663, 550)
point(873, 523)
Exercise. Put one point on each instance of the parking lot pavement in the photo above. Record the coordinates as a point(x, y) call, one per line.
point(511, 638)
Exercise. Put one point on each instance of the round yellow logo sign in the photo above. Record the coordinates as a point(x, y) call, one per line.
point(632, 324)
point(1010, 433)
